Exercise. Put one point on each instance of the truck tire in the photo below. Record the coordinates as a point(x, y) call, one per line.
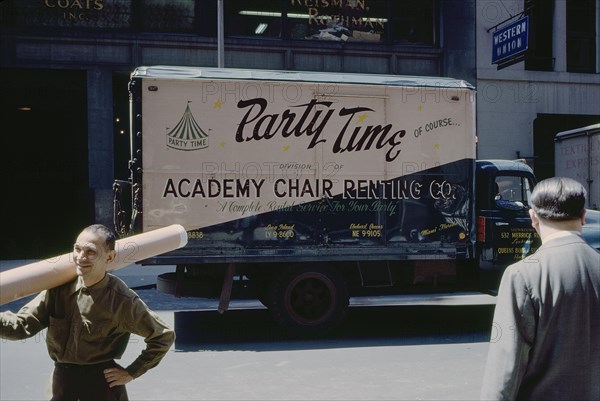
point(308, 302)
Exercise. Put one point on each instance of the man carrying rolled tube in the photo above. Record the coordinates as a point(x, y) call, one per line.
point(89, 321)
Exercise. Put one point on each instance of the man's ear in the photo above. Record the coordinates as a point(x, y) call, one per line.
point(111, 256)
point(583, 217)
point(535, 221)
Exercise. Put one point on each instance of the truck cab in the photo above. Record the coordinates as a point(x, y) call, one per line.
point(504, 231)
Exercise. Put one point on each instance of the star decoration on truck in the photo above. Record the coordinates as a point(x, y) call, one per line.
point(361, 118)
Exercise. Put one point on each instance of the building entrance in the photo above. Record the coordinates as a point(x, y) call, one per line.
point(44, 156)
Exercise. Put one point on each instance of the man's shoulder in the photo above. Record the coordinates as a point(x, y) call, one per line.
point(553, 253)
point(562, 246)
point(67, 288)
point(527, 268)
point(118, 286)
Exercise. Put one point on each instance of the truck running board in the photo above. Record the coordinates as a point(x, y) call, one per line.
point(441, 299)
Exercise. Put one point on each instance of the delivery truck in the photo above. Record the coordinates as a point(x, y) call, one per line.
point(309, 188)
point(577, 156)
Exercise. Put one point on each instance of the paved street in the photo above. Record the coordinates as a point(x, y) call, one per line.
point(379, 352)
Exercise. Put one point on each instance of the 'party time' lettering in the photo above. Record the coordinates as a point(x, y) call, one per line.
point(310, 119)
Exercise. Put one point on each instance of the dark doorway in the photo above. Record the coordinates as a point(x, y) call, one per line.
point(545, 128)
point(44, 157)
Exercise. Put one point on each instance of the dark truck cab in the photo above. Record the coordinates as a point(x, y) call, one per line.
point(504, 231)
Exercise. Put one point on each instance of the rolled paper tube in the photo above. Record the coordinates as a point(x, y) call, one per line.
point(49, 273)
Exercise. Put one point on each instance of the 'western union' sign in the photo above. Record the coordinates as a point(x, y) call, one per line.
point(510, 41)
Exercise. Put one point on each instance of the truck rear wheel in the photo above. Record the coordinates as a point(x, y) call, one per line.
point(308, 301)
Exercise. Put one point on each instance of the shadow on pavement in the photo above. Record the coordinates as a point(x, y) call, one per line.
point(254, 330)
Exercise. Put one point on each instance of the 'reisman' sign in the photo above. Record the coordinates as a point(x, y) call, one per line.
point(510, 41)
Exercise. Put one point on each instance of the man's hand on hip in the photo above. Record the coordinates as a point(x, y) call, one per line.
point(117, 376)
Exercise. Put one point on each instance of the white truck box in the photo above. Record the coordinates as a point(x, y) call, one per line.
point(577, 155)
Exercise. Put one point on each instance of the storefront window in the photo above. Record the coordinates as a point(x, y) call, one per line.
point(581, 35)
point(253, 18)
point(112, 14)
point(167, 15)
point(366, 21)
point(338, 20)
point(379, 21)
point(413, 21)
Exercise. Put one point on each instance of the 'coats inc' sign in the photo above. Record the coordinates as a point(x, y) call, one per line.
point(510, 41)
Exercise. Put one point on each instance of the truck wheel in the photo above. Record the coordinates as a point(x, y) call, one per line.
point(308, 301)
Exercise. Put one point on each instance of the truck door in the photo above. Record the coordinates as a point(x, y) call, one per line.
point(504, 230)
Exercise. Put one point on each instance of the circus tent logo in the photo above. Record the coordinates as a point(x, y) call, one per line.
point(187, 134)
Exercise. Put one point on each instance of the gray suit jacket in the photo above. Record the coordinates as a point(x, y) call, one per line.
point(545, 341)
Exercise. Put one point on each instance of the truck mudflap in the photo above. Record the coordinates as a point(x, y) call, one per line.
point(226, 289)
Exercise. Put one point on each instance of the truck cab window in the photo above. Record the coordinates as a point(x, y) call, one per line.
point(512, 192)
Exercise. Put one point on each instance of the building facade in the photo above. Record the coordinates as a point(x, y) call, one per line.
point(65, 66)
point(556, 87)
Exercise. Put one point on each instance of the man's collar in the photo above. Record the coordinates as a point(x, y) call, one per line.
point(77, 284)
